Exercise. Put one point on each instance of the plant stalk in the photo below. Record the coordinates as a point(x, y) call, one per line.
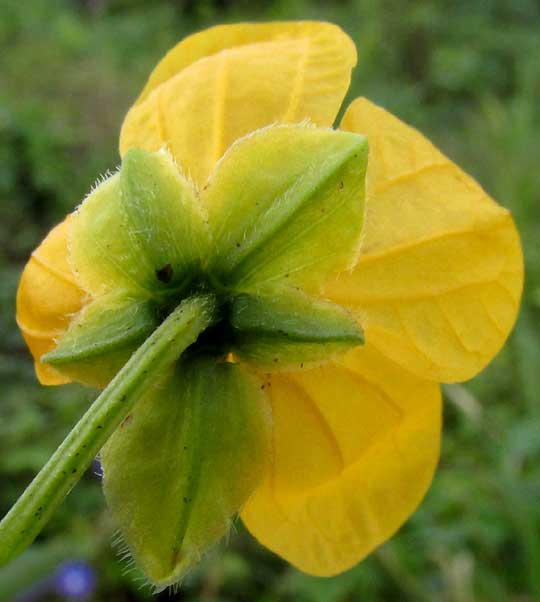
point(66, 466)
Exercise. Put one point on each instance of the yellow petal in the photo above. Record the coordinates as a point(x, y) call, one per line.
point(438, 283)
point(223, 83)
point(47, 299)
point(355, 447)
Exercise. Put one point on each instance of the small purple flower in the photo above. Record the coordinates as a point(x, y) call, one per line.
point(75, 580)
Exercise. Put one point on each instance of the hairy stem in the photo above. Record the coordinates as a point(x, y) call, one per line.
point(66, 466)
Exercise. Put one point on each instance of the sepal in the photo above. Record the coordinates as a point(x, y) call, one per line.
point(141, 231)
point(184, 462)
point(290, 330)
point(102, 337)
point(286, 206)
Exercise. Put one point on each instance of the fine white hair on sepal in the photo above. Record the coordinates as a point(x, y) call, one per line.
point(126, 559)
point(164, 150)
point(99, 181)
point(103, 178)
point(136, 575)
point(306, 123)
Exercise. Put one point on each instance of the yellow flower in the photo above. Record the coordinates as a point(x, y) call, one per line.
point(436, 286)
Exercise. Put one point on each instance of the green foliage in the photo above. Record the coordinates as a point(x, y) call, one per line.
point(468, 74)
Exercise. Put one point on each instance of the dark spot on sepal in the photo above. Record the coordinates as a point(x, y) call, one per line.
point(165, 274)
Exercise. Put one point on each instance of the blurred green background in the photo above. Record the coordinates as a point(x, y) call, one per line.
point(467, 73)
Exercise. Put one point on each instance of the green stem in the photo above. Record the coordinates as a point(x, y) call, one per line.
point(66, 466)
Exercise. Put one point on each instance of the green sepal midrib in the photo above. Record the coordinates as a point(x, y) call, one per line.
point(281, 335)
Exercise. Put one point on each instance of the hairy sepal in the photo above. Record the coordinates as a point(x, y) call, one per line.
point(286, 205)
point(289, 330)
point(102, 337)
point(141, 231)
point(135, 245)
point(184, 463)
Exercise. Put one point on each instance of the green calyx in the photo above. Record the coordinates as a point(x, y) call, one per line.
point(248, 256)
point(282, 211)
point(287, 332)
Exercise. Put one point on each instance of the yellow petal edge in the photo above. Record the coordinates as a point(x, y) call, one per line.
point(47, 299)
point(223, 83)
point(439, 279)
point(355, 445)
